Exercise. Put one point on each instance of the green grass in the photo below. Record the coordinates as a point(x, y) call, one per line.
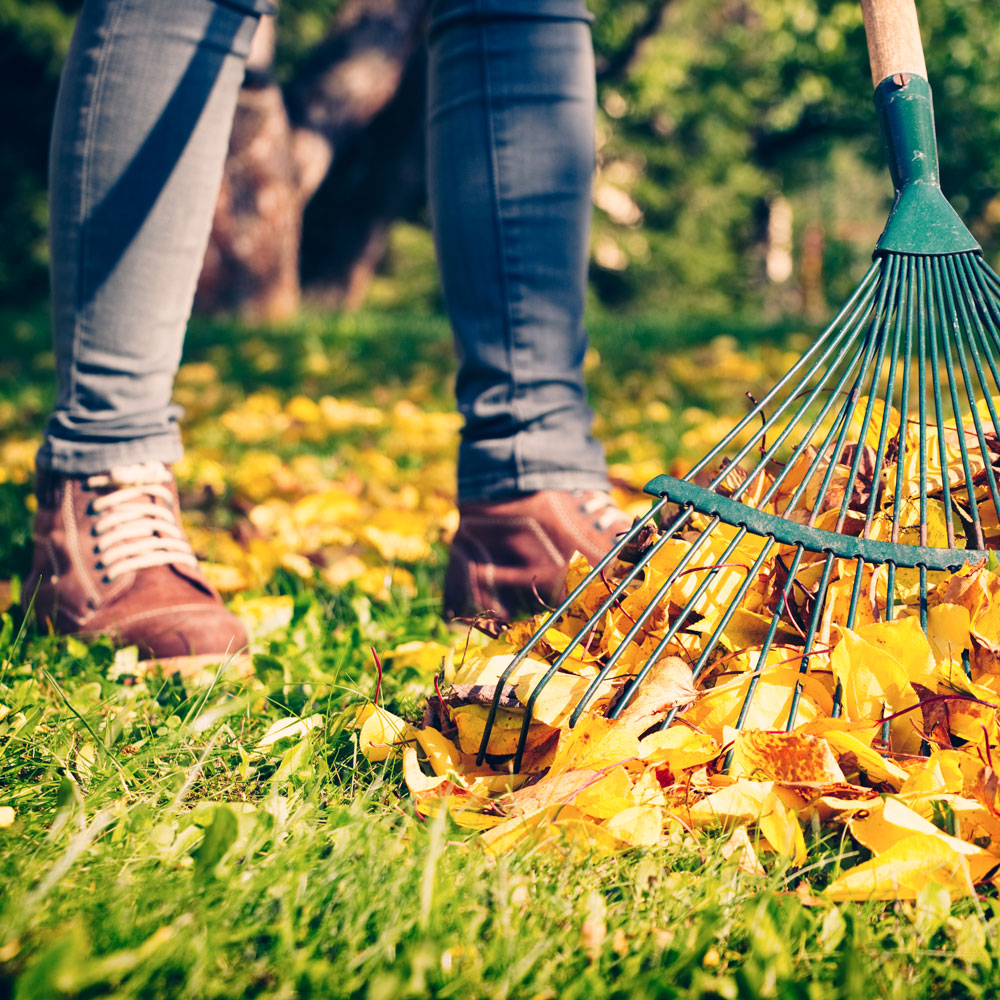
point(157, 850)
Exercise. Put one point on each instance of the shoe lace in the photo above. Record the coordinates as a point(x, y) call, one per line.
point(605, 511)
point(136, 526)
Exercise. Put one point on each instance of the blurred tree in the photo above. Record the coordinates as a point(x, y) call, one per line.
point(349, 115)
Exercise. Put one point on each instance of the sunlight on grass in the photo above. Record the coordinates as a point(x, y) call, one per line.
point(222, 835)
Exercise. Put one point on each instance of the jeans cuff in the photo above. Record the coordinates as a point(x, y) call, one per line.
point(482, 489)
point(73, 458)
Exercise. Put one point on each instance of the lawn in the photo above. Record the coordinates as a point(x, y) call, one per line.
point(161, 837)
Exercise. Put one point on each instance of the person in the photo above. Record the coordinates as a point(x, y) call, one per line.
point(139, 140)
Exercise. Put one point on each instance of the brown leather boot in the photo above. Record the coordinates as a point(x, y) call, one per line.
point(509, 558)
point(111, 558)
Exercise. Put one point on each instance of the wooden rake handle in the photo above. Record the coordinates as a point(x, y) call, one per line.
point(893, 38)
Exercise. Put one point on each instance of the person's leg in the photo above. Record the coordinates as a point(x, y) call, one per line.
point(510, 158)
point(138, 147)
point(139, 142)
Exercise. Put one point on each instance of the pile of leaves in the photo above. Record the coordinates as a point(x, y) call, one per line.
point(887, 736)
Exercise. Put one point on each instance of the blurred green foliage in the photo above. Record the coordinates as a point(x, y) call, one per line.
point(728, 105)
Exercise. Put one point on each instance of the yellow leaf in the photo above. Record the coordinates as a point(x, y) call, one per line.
point(595, 743)
point(780, 826)
point(427, 657)
point(790, 757)
point(606, 795)
point(869, 762)
point(904, 641)
point(505, 734)
point(264, 615)
point(637, 826)
point(720, 707)
point(739, 846)
point(398, 536)
point(740, 802)
point(904, 869)
point(225, 579)
point(872, 680)
point(559, 697)
point(948, 627)
point(381, 732)
point(679, 748)
point(442, 754)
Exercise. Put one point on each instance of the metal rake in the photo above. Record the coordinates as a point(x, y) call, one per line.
point(902, 387)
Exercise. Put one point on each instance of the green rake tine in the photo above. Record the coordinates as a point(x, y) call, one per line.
point(810, 636)
point(936, 389)
point(857, 304)
point(872, 343)
point(554, 616)
point(813, 394)
point(923, 598)
point(769, 637)
point(922, 399)
point(880, 325)
point(851, 332)
point(619, 650)
point(890, 591)
point(821, 452)
point(970, 278)
point(852, 608)
point(638, 623)
point(765, 649)
point(966, 324)
point(731, 609)
point(904, 408)
point(676, 626)
point(970, 322)
point(846, 336)
point(883, 437)
point(944, 289)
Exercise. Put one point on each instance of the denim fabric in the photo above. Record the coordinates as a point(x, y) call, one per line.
point(510, 156)
point(139, 141)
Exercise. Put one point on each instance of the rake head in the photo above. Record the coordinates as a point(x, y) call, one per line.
point(842, 498)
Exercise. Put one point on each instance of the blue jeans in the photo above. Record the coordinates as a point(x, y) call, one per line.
point(139, 142)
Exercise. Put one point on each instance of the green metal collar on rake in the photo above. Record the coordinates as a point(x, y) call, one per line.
point(922, 220)
point(760, 522)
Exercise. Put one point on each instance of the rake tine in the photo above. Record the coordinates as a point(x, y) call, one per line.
point(810, 636)
point(967, 325)
point(904, 409)
point(857, 305)
point(553, 616)
point(936, 388)
point(942, 289)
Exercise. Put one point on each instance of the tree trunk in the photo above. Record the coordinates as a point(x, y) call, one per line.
point(344, 123)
